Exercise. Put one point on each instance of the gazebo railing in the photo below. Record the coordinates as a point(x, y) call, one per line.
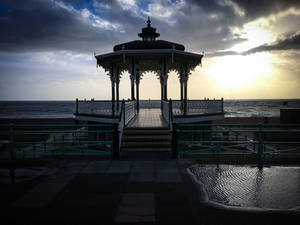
point(166, 110)
point(96, 107)
point(195, 107)
point(150, 104)
point(129, 112)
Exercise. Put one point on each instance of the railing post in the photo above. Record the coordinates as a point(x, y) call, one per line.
point(222, 105)
point(170, 111)
point(11, 141)
point(184, 106)
point(115, 146)
point(76, 106)
point(260, 146)
point(174, 141)
point(124, 107)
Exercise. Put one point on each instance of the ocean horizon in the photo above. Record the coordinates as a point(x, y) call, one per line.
point(28, 109)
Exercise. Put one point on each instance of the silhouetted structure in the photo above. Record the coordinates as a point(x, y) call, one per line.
point(149, 54)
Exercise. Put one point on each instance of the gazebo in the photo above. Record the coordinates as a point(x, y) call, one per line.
point(138, 57)
point(149, 54)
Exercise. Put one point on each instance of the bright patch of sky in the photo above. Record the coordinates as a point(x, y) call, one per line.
point(47, 51)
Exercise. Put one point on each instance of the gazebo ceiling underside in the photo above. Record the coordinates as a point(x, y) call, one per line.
point(149, 60)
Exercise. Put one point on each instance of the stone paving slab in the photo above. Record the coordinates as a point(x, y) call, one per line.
point(44, 192)
point(136, 207)
point(141, 176)
point(96, 167)
point(168, 177)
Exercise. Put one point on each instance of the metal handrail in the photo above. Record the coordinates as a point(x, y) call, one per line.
point(58, 141)
point(259, 144)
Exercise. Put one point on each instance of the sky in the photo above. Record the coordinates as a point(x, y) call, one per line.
point(251, 48)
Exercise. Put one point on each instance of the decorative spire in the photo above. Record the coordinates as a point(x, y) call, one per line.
point(148, 32)
point(148, 22)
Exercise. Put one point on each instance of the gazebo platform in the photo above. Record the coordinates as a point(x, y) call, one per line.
point(148, 118)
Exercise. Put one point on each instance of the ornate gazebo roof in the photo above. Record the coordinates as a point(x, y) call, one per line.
point(149, 41)
point(149, 54)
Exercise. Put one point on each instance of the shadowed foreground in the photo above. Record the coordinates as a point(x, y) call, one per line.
point(140, 191)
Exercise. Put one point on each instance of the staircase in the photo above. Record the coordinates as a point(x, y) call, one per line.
point(152, 139)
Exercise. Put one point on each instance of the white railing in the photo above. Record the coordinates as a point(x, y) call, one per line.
point(150, 104)
point(198, 107)
point(130, 111)
point(166, 111)
point(126, 114)
point(93, 107)
point(193, 107)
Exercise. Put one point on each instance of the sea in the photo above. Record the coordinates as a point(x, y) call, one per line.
point(66, 109)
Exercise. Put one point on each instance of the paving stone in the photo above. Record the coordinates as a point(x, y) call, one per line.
point(44, 192)
point(118, 169)
point(143, 163)
point(165, 176)
point(136, 207)
point(96, 167)
point(148, 169)
point(141, 177)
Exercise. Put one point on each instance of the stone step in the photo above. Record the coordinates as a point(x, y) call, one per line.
point(146, 132)
point(146, 149)
point(147, 144)
point(147, 138)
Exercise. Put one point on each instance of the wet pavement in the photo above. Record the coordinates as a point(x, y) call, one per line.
point(275, 187)
point(136, 191)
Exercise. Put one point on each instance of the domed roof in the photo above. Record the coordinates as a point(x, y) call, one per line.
point(159, 44)
point(149, 41)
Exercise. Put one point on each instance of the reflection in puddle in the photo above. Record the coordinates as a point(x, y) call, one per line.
point(273, 187)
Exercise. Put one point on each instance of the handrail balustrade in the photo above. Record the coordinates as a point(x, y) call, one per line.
point(37, 140)
point(262, 140)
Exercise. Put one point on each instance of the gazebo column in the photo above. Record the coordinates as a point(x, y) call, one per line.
point(181, 91)
point(166, 90)
point(132, 87)
point(185, 86)
point(137, 82)
point(117, 87)
point(132, 79)
point(113, 80)
point(162, 91)
point(185, 98)
point(165, 79)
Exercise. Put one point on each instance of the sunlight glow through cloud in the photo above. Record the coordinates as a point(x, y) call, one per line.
point(46, 51)
point(238, 72)
point(255, 34)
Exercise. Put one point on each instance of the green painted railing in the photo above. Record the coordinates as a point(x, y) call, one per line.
point(260, 140)
point(19, 141)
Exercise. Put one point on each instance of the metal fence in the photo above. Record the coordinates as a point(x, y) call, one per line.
point(95, 107)
point(34, 141)
point(198, 107)
point(166, 109)
point(130, 111)
point(259, 140)
point(150, 104)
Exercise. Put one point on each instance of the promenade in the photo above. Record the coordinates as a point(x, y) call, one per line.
point(103, 192)
point(148, 188)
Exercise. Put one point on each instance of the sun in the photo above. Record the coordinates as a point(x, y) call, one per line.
point(238, 72)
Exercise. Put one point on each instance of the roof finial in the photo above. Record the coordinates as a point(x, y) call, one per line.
point(148, 22)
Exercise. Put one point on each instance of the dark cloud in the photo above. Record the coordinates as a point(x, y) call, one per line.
point(44, 25)
point(253, 9)
point(221, 53)
point(289, 43)
point(38, 25)
point(261, 8)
